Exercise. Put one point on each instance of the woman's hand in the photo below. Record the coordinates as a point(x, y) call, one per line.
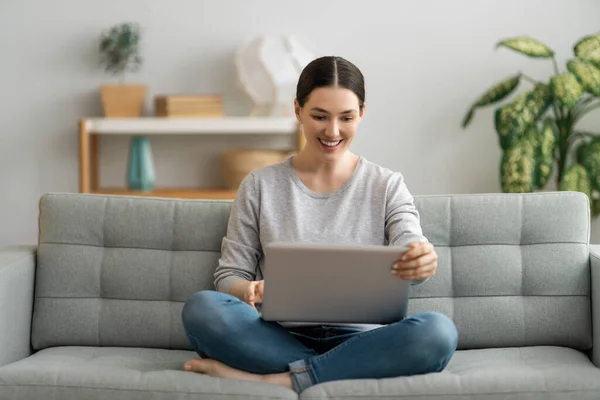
point(419, 262)
point(254, 292)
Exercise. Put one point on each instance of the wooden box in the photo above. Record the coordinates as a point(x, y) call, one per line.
point(208, 106)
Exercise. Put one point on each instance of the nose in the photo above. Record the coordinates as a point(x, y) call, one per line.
point(333, 129)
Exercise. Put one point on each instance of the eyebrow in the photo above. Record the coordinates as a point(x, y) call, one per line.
point(327, 112)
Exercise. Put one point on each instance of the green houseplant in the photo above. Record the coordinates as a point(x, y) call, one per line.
point(537, 130)
point(120, 53)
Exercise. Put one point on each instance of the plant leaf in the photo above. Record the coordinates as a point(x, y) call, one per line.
point(587, 75)
point(508, 124)
point(533, 137)
point(588, 48)
point(105, 43)
point(591, 161)
point(513, 119)
point(576, 179)
point(119, 48)
point(494, 94)
point(543, 161)
point(467, 119)
point(580, 151)
point(518, 167)
point(499, 91)
point(544, 154)
point(527, 46)
point(566, 89)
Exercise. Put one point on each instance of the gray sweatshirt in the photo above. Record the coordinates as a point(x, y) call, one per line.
point(374, 207)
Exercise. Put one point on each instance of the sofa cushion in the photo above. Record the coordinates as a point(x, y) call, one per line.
point(115, 270)
point(513, 268)
point(65, 373)
point(506, 373)
point(139, 373)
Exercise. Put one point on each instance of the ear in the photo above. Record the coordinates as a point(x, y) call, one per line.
point(362, 110)
point(297, 110)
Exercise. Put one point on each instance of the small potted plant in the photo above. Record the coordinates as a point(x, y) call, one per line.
point(119, 50)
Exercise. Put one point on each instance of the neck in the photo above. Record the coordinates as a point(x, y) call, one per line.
point(309, 162)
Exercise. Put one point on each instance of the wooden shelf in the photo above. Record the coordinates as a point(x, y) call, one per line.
point(90, 129)
point(213, 194)
point(192, 126)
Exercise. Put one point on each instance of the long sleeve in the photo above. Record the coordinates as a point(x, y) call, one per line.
point(241, 248)
point(402, 222)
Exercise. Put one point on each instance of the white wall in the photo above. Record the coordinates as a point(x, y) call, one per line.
point(424, 62)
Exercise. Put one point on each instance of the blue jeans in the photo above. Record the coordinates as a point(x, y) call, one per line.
point(222, 327)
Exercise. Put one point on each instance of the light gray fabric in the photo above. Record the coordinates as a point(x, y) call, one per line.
point(373, 207)
point(138, 373)
point(114, 271)
point(17, 271)
point(595, 270)
point(75, 373)
point(532, 373)
point(513, 268)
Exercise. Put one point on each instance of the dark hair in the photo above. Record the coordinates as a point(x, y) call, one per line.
point(330, 71)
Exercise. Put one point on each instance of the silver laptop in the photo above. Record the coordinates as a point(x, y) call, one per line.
point(317, 283)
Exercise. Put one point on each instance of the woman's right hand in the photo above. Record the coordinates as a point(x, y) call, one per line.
point(254, 293)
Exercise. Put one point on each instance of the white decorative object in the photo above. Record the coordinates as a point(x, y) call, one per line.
point(268, 69)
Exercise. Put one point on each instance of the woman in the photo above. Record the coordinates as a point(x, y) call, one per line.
point(323, 194)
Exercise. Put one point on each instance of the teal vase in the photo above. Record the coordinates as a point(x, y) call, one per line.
point(140, 168)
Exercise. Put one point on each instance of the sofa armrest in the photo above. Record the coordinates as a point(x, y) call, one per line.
point(595, 277)
point(17, 271)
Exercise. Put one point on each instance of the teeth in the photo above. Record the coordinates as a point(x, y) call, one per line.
point(330, 144)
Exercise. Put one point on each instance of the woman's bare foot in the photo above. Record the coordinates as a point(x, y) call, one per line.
point(217, 369)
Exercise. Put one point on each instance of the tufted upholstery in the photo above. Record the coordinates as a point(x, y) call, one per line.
point(513, 269)
point(115, 271)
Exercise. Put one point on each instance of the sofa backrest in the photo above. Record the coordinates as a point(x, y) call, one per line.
point(116, 271)
point(513, 269)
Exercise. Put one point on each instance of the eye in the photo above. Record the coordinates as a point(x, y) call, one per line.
point(347, 119)
point(318, 117)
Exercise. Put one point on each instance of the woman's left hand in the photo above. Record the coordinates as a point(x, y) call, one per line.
point(419, 262)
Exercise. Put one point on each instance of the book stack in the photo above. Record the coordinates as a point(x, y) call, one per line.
point(209, 106)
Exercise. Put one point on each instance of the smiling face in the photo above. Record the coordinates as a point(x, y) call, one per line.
point(330, 118)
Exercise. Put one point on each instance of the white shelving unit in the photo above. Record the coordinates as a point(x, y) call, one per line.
point(90, 129)
point(189, 126)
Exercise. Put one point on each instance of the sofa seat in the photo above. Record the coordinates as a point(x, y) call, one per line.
point(506, 373)
point(140, 373)
point(69, 373)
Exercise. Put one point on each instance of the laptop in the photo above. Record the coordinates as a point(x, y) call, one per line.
point(321, 283)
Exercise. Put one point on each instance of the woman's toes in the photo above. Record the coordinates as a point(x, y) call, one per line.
point(197, 365)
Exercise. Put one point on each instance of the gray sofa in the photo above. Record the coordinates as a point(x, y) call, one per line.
point(102, 319)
